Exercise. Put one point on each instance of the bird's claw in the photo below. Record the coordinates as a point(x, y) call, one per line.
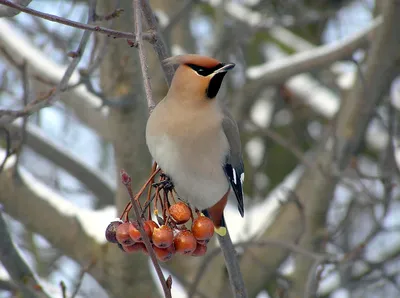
point(165, 184)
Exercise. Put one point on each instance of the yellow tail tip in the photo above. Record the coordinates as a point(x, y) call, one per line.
point(220, 231)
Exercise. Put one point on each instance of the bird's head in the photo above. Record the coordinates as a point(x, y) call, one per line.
point(198, 77)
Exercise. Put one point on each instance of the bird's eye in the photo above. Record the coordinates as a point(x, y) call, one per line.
point(201, 70)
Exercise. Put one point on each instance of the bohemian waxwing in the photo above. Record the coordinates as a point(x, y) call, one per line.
point(195, 140)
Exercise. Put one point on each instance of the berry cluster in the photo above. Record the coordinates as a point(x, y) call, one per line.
point(177, 230)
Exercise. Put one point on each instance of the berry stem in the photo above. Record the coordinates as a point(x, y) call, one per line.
point(157, 198)
point(126, 180)
point(165, 205)
point(151, 178)
point(149, 191)
point(173, 197)
point(124, 213)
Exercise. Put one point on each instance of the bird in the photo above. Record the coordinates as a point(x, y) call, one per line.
point(195, 140)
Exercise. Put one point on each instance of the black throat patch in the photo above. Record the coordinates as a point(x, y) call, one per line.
point(215, 84)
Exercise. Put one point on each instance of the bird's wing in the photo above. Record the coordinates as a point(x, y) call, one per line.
point(233, 166)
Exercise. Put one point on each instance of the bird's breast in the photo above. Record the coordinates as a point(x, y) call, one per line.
point(194, 163)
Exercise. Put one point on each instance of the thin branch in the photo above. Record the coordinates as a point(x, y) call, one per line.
point(93, 179)
point(7, 116)
point(127, 181)
point(158, 43)
point(25, 100)
point(61, 20)
point(262, 243)
point(9, 151)
point(146, 79)
point(80, 278)
point(232, 265)
point(11, 12)
point(63, 288)
point(19, 271)
point(83, 103)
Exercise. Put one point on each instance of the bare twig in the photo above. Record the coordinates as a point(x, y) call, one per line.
point(25, 98)
point(232, 265)
point(63, 289)
point(158, 43)
point(115, 14)
point(146, 80)
point(11, 12)
point(9, 151)
point(127, 181)
point(7, 116)
point(80, 278)
point(57, 19)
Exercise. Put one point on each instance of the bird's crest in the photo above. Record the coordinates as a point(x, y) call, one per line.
point(199, 60)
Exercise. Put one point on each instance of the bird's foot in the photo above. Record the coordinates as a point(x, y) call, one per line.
point(165, 184)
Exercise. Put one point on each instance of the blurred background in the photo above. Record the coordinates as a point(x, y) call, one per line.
point(315, 92)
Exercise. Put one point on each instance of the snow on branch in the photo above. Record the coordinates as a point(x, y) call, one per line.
point(71, 228)
point(279, 70)
point(98, 183)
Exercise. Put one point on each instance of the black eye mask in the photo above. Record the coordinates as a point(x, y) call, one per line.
point(204, 71)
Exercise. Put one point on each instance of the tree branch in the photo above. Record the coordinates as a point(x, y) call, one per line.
point(158, 44)
point(31, 199)
point(278, 71)
point(11, 12)
point(78, 233)
point(98, 183)
point(137, 16)
point(36, 105)
point(281, 69)
point(354, 116)
point(70, 23)
point(19, 271)
point(84, 104)
point(142, 57)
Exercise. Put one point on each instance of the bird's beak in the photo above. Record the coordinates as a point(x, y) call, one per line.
point(225, 67)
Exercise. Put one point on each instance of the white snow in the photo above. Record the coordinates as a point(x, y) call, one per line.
point(93, 222)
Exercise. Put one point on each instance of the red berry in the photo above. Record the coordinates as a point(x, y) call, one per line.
point(152, 224)
point(184, 242)
point(162, 237)
point(122, 234)
point(203, 242)
point(171, 248)
point(135, 247)
point(200, 250)
point(180, 212)
point(111, 231)
point(163, 254)
point(203, 228)
point(135, 233)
